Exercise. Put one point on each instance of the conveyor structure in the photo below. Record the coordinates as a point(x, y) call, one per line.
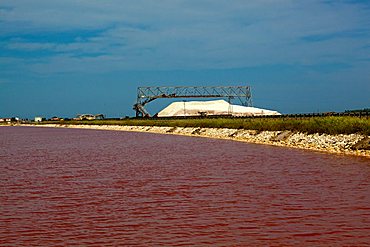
point(147, 94)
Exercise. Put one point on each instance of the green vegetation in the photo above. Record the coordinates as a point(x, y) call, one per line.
point(329, 125)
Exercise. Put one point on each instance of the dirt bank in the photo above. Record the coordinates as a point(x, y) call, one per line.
point(353, 144)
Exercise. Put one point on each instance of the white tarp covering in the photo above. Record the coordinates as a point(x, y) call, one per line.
point(214, 107)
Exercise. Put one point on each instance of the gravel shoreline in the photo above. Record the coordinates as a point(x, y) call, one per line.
point(352, 144)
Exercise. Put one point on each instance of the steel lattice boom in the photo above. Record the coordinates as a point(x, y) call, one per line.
point(148, 94)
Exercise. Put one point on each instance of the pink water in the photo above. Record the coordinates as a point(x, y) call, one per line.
point(69, 187)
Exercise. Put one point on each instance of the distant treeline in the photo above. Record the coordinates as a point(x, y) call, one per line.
point(361, 110)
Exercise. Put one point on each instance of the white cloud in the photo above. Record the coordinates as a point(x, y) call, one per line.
point(186, 34)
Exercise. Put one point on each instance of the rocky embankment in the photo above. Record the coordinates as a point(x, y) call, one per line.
point(353, 144)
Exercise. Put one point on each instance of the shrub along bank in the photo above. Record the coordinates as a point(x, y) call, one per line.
point(328, 125)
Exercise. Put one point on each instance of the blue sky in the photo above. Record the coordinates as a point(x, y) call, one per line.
point(89, 56)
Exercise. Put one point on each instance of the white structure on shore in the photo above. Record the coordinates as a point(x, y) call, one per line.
point(39, 119)
point(214, 107)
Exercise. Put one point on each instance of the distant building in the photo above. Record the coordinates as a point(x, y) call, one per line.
point(89, 117)
point(39, 119)
point(9, 120)
point(56, 119)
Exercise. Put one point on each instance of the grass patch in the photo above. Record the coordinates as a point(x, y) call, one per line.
point(328, 125)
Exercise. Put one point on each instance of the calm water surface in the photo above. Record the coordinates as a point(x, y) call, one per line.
point(65, 187)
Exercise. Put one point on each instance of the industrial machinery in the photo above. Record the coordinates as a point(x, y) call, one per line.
point(148, 94)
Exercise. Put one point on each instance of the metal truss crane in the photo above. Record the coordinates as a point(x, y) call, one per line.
point(148, 94)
